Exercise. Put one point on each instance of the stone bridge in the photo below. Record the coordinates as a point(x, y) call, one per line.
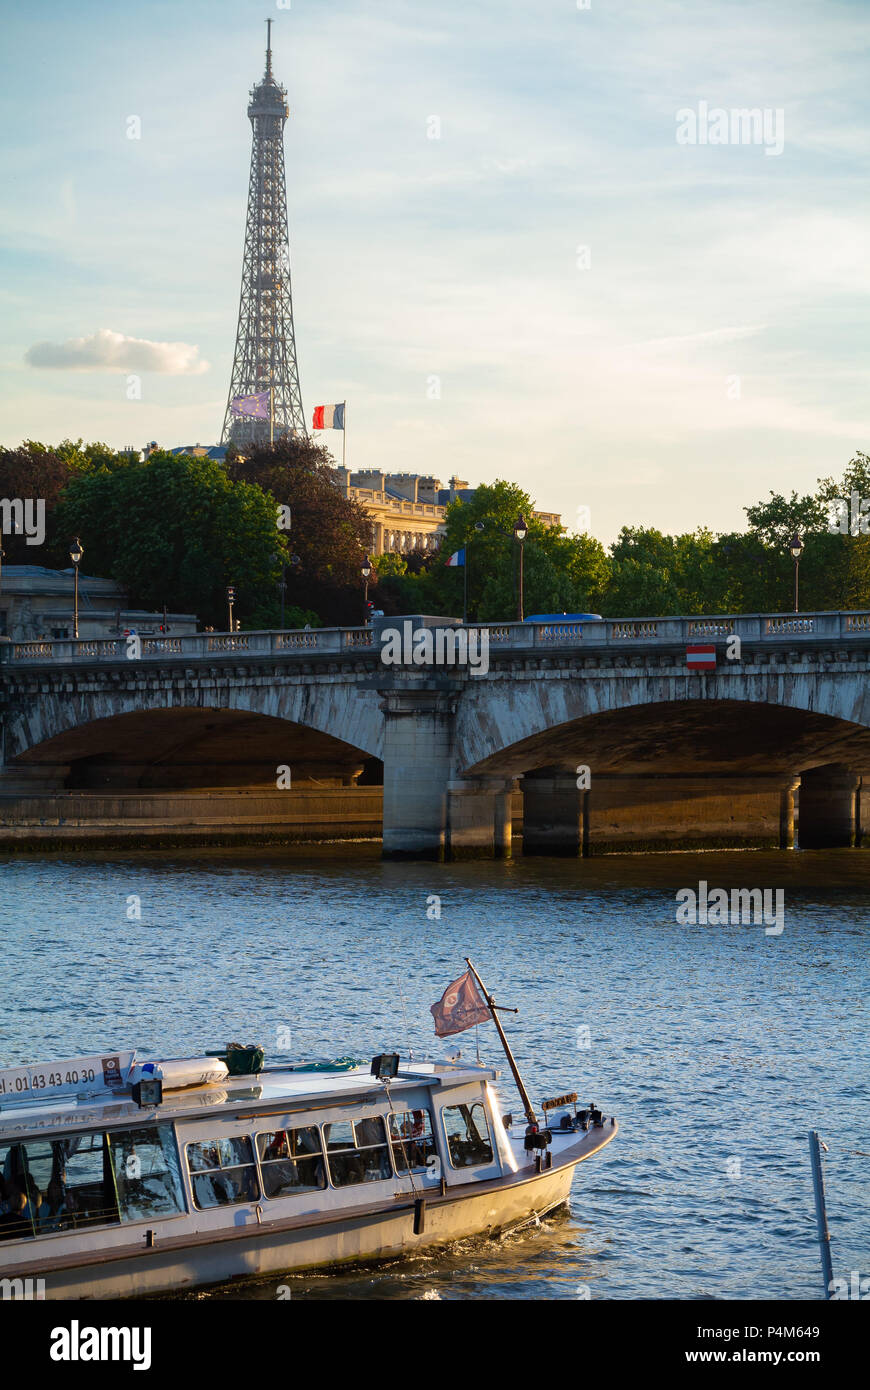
point(596, 736)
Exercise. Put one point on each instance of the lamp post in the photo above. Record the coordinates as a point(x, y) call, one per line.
point(478, 526)
point(365, 571)
point(231, 598)
point(283, 587)
point(75, 554)
point(796, 546)
point(521, 530)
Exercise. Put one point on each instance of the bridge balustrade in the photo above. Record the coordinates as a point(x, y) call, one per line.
point(616, 633)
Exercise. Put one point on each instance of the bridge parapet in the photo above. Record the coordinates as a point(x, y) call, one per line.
point(612, 633)
point(198, 645)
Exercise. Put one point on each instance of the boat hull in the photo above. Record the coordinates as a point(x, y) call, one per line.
point(372, 1234)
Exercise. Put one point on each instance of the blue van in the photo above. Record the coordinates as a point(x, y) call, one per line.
point(564, 618)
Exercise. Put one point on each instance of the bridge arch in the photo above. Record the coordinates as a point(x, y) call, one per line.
point(631, 720)
point(232, 735)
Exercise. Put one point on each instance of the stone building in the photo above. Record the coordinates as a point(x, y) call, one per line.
point(408, 510)
point(37, 603)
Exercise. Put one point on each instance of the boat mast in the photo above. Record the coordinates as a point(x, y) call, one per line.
point(492, 1006)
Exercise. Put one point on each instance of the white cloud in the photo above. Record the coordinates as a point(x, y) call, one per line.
point(108, 351)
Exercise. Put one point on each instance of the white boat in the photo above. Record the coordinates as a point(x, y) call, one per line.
point(123, 1178)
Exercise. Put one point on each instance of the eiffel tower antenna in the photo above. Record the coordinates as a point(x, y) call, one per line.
point(265, 356)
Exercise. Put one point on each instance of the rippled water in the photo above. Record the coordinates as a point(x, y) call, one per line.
point(711, 1044)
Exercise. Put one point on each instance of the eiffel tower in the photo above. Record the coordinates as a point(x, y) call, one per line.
point(265, 356)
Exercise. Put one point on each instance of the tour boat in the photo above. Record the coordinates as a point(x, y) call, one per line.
point(123, 1177)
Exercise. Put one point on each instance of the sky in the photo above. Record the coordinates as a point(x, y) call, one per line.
point(513, 252)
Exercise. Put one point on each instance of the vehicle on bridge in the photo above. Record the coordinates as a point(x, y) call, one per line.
point(564, 618)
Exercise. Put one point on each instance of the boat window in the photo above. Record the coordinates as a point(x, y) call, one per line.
point(357, 1151)
point(222, 1172)
point(56, 1184)
point(412, 1139)
point(50, 1185)
point(468, 1140)
point(147, 1173)
point(291, 1160)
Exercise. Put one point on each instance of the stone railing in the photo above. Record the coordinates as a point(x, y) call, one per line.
point(620, 634)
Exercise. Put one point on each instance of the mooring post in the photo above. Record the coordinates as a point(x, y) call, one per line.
point(821, 1214)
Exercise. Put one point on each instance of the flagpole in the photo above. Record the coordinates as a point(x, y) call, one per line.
point(492, 1006)
point(272, 414)
point(465, 586)
point(344, 437)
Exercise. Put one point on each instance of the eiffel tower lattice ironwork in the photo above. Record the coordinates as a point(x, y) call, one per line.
point(265, 356)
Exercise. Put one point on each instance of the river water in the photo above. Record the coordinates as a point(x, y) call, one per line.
point(717, 1047)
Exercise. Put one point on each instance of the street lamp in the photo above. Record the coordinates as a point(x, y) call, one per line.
point(521, 530)
point(231, 598)
point(478, 526)
point(365, 571)
point(796, 546)
point(75, 554)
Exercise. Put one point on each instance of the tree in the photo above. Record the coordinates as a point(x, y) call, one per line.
point(176, 530)
point(402, 583)
point(560, 573)
point(37, 474)
point(329, 533)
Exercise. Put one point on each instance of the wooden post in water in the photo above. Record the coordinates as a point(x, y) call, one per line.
point(821, 1214)
point(492, 1006)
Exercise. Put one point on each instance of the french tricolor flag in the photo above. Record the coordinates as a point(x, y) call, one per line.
point(329, 417)
point(701, 658)
point(456, 559)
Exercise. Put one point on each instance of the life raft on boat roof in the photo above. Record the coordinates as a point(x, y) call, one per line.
point(182, 1072)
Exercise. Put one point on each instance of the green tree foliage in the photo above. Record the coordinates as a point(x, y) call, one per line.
point(402, 583)
point(34, 472)
point(560, 573)
point(751, 571)
point(176, 530)
point(329, 533)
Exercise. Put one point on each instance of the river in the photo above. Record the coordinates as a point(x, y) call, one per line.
point(717, 1047)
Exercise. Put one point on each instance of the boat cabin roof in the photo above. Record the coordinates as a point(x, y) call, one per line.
point(287, 1087)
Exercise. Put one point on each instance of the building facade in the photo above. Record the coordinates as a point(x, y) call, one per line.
point(37, 604)
point(408, 510)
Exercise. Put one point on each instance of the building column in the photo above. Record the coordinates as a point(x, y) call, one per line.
point(555, 813)
point(418, 746)
point(479, 817)
point(828, 815)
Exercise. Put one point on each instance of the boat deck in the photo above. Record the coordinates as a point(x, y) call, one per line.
point(291, 1083)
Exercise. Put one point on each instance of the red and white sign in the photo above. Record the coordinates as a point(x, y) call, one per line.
point(701, 658)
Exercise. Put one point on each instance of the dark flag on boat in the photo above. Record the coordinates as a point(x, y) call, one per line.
point(459, 1007)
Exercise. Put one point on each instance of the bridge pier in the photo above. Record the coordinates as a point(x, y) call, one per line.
point(555, 813)
point(479, 819)
point(625, 812)
point(829, 809)
point(418, 748)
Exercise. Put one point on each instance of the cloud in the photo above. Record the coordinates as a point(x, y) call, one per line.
point(710, 335)
point(108, 351)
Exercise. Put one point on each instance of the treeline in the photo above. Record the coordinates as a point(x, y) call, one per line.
point(646, 572)
point(176, 530)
